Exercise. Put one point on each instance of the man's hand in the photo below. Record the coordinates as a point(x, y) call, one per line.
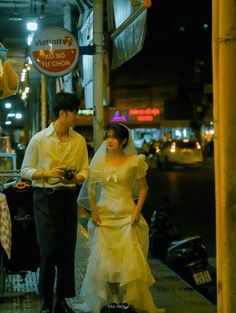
point(55, 172)
point(77, 179)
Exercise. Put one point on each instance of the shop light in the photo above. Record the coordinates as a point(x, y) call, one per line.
point(23, 76)
point(177, 133)
point(198, 145)
point(8, 123)
point(173, 147)
point(24, 96)
point(18, 116)
point(86, 112)
point(10, 114)
point(8, 105)
point(32, 26)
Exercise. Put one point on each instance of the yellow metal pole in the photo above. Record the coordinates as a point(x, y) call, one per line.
point(217, 150)
point(224, 64)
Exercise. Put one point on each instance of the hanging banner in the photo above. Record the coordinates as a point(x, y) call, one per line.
point(54, 51)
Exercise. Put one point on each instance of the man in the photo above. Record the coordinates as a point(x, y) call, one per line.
point(49, 155)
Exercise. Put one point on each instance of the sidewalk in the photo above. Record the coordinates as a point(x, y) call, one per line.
point(169, 291)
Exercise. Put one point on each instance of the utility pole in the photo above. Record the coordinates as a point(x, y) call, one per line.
point(43, 102)
point(98, 86)
point(224, 92)
point(68, 25)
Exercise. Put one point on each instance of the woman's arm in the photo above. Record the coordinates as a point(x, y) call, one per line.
point(94, 213)
point(143, 190)
point(92, 182)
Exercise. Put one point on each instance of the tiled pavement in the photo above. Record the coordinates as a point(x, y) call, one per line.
point(169, 291)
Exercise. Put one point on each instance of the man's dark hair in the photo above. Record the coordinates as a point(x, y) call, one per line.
point(65, 101)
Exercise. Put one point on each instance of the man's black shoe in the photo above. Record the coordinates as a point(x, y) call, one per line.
point(45, 309)
point(62, 307)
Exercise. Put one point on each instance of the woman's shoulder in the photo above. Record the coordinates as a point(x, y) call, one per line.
point(140, 157)
point(140, 162)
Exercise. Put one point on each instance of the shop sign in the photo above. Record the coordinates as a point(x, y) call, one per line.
point(144, 115)
point(54, 51)
point(150, 115)
point(120, 116)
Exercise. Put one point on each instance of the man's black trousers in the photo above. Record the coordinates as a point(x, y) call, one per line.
point(56, 226)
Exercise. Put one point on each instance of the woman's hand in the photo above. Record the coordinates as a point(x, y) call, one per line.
point(135, 217)
point(96, 218)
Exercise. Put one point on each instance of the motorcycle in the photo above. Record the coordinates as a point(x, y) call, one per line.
point(162, 232)
point(188, 258)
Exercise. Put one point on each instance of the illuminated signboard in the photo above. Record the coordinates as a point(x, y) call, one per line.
point(54, 51)
point(120, 117)
point(145, 118)
point(145, 112)
point(136, 115)
point(144, 115)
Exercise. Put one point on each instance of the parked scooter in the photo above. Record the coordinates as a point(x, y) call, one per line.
point(162, 231)
point(185, 256)
point(188, 258)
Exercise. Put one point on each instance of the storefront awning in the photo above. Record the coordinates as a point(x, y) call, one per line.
point(127, 26)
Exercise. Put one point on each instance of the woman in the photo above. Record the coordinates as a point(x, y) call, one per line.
point(117, 270)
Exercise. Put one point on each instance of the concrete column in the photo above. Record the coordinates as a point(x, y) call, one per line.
point(224, 84)
point(43, 102)
point(98, 39)
point(68, 25)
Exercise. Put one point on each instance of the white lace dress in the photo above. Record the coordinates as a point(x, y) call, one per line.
point(118, 249)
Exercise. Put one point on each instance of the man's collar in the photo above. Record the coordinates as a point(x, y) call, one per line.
point(50, 130)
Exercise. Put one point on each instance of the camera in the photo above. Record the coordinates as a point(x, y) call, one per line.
point(70, 173)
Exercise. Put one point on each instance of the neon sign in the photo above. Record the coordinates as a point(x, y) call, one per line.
point(118, 118)
point(135, 115)
point(148, 111)
point(145, 118)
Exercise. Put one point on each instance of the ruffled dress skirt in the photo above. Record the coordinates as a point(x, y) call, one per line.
point(118, 255)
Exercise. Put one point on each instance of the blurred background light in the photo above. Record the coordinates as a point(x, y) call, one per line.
point(8, 105)
point(32, 26)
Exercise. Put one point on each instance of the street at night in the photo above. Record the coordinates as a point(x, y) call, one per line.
point(156, 77)
point(191, 197)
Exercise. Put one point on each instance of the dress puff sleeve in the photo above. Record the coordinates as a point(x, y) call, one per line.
point(141, 166)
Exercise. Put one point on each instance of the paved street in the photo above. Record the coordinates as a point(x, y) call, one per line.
point(191, 197)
